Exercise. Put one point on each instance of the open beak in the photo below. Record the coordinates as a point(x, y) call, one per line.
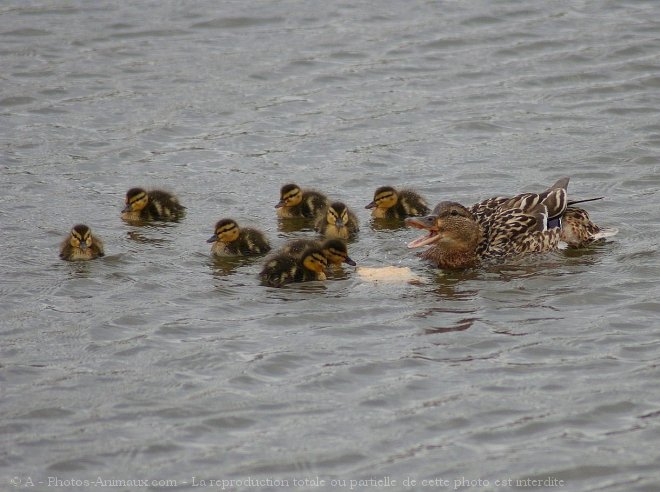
point(212, 239)
point(429, 223)
point(371, 205)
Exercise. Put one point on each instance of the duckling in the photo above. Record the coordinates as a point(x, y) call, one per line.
point(283, 268)
point(81, 244)
point(338, 221)
point(296, 202)
point(231, 240)
point(151, 205)
point(335, 250)
point(390, 204)
point(459, 241)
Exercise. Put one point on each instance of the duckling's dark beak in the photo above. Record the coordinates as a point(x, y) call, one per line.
point(127, 208)
point(212, 239)
point(427, 222)
point(371, 205)
point(280, 204)
point(349, 261)
point(83, 246)
point(339, 223)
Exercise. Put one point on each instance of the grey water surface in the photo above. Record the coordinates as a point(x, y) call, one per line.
point(160, 364)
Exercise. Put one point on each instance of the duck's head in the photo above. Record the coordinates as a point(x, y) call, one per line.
point(385, 197)
point(336, 252)
point(337, 215)
point(290, 196)
point(313, 259)
point(81, 237)
point(450, 224)
point(136, 200)
point(226, 230)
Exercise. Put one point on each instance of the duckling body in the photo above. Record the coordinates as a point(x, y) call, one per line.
point(81, 245)
point(231, 240)
point(502, 227)
point(392, 204)
point(334, 250)
point(151, 205)
point(296, 202)
point(284, 268)
point(337, 222)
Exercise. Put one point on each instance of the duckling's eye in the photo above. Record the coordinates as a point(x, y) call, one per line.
point(454, 213)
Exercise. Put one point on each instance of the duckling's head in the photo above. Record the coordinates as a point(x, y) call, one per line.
point(226, 230)
point(136, 200)
point(336, 252)
point(313, 259)
point(337, 215)
point(450, 224)
point(290, 196)
point(81, 237)
point(385, 197)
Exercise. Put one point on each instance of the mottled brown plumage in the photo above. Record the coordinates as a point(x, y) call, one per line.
point(503, 227)
point(459, 241)
point(578, 231)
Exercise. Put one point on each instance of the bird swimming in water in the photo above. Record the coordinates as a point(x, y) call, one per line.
point(283, 268)
point(392, 204)
point(338, 222)
point(231, 240)
point(501, 227)
point(81, 244)
point(151, 205)
point(296, 202)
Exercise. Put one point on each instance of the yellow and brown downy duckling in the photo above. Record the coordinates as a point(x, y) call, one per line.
point(151, 205)
point(231, 240)
point(284, 268)
point(296, 202)
point(81, 244)
point(335, 250)
point(392, 204)
point(338, 222)
point(503, 227)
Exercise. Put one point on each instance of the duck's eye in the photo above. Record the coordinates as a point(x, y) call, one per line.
point(454, 212)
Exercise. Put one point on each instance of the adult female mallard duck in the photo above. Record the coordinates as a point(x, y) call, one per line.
point(296, 202)
point(284, 268)
point(392, 204)
point(231, 240)
point(502, 227)
point(338, 222)
point(151, 205)
point(334, 250)
point(81, 244)
point(458, 240)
